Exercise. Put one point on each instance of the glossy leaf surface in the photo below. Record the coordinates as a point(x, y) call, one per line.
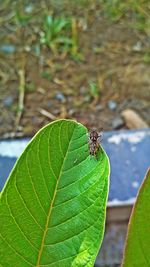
point(52, 208)
point(137, 249)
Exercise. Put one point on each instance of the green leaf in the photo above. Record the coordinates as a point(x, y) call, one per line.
point(52, 208)
point(60, 24)
point(63, 40)
point(137, 248)
point(49, 21)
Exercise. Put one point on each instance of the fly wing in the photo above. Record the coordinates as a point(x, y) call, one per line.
point(100, 137)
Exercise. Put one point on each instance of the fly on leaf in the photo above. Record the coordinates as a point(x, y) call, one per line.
point(94, 142)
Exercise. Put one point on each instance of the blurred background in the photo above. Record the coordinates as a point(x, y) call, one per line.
point(86, 60)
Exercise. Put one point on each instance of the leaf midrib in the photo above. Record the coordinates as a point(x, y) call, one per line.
point(51, 206)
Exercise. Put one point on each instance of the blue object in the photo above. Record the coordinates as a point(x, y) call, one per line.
point(112, 104)
point(8, 101)
point(8, 48)
point(129, 153)
point(60, 97)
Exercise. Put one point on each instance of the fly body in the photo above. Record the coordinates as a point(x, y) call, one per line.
point(94, 142)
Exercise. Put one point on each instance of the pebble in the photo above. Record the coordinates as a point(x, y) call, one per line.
point(60, 97)
point(117, 123)
point(28, 8)
point(37, 50)
point(112, 104)
point(137, 47)
point(71, 112)
point(8, 48)
point(133, 120)
point(99, 107)
point(27, 48)
point(87, 98)
point(56, 111)
point(49, 104)
point(8, 101)
point(83, 90)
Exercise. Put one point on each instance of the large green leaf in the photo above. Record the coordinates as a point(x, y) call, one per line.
point(137, 249)
point(52, 208)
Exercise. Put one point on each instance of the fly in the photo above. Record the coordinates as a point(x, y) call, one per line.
point(94, 142)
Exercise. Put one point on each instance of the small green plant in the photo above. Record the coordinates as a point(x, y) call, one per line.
point(114, 9)
point(53, 206)
point(136, 11)
point(93, 89)
point(46, 75)
point(21, 18)
point(54, 33)
point(30, 87)
point(146, 57)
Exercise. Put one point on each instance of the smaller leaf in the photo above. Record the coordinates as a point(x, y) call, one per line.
point(49, 20)
point(60, 24)
point(137, 248)
point(63, 40)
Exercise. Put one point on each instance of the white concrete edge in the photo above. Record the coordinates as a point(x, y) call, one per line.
point(118, 203)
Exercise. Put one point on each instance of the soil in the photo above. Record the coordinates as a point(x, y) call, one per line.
point(111, 55)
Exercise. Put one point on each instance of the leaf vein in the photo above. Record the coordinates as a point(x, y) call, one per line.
point(25, 205)
point(70, 220)
point(52, 202)
point(9, 244)
point(41, 165)
point(77, 165)
point(79, 137)
point(60, 141)
point(64, 259)
point(83, 192)
point(76, 181)
point(18, 226)
point(77, 148)
point(34, 190)
point(55, 176)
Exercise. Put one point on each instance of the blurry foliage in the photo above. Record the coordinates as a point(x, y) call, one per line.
point(113, 9)
point(46, 75)
point(21, 19)
point(60, 33)
point(93, 89)
point(30, 87)
point(50, 33)
point(146, 57)
point(138, 11)
point(55, 33)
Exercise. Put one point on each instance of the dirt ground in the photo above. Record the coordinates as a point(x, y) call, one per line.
point(105, 72)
